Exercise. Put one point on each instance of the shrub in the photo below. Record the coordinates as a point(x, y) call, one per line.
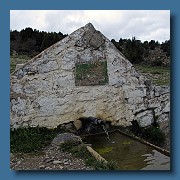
point(152, 134)
point(155, 135)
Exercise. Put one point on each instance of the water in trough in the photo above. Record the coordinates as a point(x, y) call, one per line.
point(129, 154)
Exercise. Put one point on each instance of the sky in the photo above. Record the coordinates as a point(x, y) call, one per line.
point(145, 25)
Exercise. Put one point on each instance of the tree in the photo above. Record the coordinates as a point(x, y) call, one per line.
point(165, 46)
point(153, 44)
point(26, 33)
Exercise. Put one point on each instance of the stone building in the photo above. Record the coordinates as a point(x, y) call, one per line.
point(80, 76)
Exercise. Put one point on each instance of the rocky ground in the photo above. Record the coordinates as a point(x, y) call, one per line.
point(53, 158)
point(50, 158)
point(158, 79)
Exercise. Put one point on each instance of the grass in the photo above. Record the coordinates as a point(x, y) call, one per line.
point(20, 59)
point(97, 72)
point(159, 75)
point(20, 56)
point(162, 81)
point(83, 70)
point(81, 151)
point(152, 69)
point(12, 67)
point(32, 139)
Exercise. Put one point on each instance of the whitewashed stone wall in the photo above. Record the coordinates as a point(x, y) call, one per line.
point(43, 91)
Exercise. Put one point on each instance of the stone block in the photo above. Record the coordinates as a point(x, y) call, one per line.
point(145, 118)
point(66, 137)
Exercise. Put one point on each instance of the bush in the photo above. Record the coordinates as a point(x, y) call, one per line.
point(155, 135)
point(152, 134)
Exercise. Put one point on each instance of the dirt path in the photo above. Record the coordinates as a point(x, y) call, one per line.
point(50, 158)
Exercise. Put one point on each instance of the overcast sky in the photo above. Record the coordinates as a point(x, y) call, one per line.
point(114, 24)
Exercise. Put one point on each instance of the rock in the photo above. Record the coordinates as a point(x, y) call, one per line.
point(65, 137)
point(48, 160)
point(11, 155)
point(166, 108)
point(69, 127)
point(65, 160)
point(60, 167)
point(92, 125)
point(66, 163)
point(57, 162)
point(145, 118)
point(96, 40)
point(18, 66)
point(78, 124)
point(42, 167)
point(18, 163)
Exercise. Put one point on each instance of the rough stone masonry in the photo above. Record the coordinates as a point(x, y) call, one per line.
point(43, 91)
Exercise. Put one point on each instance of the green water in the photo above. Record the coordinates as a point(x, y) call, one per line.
point(128, 153)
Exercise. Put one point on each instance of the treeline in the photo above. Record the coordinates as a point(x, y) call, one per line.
point(149, 53)
point(31, 42)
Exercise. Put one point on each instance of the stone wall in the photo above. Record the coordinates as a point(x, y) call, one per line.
point(43, 91)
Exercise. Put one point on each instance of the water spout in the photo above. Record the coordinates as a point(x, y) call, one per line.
point(105, 130)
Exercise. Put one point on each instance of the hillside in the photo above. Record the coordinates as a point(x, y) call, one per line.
point(31, 42)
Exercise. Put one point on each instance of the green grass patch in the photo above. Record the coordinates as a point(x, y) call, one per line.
point(161, 82)
point(32, 139)
point(12, 68)
point(21, 56)
point(81, 151)
point(152, 69)
point(91, 74)
point(83, 70)
point(159, 75)
point(19, 59)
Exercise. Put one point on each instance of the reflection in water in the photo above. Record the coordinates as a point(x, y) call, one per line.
point(128, 153)
point(156, 161)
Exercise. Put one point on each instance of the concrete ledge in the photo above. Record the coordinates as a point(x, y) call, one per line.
point(97, 156)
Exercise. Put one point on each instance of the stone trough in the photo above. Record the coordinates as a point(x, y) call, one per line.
point(132, 153)
point(116, 145)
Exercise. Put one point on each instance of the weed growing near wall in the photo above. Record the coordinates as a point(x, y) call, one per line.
point(27, 140)
point(152, 134)
point(155, 135)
